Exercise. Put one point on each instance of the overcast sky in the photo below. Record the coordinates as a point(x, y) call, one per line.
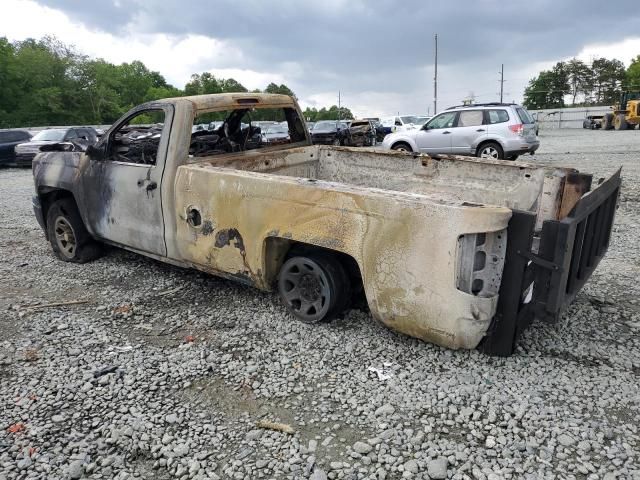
point(379, 54)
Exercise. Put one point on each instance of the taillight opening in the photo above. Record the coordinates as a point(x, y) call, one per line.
point(480, 261)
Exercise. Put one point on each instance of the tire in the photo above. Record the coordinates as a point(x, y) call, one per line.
point(619, 122)
point(402, 147)
point(314, 287)
point(607, 121)
point(336, 142)
point(67, 234)
point(490, 150)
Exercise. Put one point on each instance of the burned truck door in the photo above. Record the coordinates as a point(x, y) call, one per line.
point(123, 179)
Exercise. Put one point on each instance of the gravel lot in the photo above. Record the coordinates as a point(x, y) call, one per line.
point(165, 373)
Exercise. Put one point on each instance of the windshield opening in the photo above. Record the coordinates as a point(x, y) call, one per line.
point(410, 119)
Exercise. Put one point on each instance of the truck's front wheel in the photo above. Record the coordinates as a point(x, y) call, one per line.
point(68, 236)
point(314, 287)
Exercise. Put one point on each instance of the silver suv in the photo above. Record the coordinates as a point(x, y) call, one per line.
point(493, 130)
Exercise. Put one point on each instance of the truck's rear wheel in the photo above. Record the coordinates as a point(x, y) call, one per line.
point(67, 234)
point(314, 287)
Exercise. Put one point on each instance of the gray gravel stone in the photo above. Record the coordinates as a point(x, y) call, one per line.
point(318, 474)
point(171, 418)
point(411, 466)
point(437, 469)
point(566, 440)
point(75, 470)
point(385, 409)
point(362, 448)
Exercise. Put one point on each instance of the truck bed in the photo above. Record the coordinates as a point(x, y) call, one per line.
point(550, 192)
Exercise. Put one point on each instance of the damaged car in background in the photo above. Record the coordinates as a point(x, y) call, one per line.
point(75, 139)
point(463, 252)
point(362, 133)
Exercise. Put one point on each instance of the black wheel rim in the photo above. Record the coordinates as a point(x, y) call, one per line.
point(305, 289)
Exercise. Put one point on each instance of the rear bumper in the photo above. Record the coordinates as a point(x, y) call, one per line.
point(542, 282)
point(520, 147)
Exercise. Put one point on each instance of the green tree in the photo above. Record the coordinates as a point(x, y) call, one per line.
point(9, 85)
point(607, 77)
point(332, 113)
point(548, 89)
point(230, 85)
point(579, 77)
point(202, 83)
point(281, 89)
point(632, 77)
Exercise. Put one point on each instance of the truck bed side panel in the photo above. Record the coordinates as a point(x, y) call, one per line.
point(405, 247)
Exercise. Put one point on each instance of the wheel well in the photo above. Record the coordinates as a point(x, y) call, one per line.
point(48, 197)
point(277, 249)
point(402, 142)
point(486, 142)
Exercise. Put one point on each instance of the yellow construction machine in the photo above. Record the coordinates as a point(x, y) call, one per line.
point(626, 115)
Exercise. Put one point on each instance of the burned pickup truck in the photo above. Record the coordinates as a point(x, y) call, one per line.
point(462, 252)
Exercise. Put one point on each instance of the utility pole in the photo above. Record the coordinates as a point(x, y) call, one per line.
point(435, 80)
point(501, 81)
point(339, 107)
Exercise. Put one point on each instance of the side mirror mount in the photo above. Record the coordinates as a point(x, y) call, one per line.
point(95, 153)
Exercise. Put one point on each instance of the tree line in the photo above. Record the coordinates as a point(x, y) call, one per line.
point(600, 83)
point(45, 82)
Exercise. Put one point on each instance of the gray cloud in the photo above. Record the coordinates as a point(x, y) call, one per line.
point(383, 46)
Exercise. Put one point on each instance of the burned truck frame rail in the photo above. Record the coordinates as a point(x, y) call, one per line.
point(542, 284)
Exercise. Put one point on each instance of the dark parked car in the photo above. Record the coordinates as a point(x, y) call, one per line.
point(75, 139)
point(330, 132)
point(8, 141)
point(592, 122)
